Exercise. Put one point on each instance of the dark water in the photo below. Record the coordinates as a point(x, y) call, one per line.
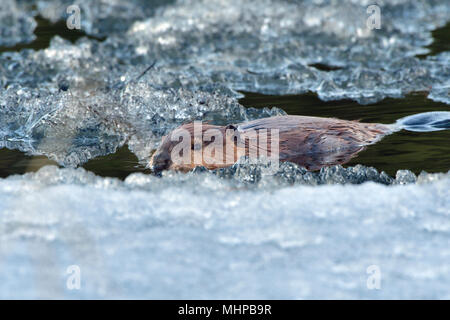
point(119, 164)
point(17, 162)
point(429, 151)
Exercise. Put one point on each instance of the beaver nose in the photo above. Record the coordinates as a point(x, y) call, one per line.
point(160, 162)
point(159, 167)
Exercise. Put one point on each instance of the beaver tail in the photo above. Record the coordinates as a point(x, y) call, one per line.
point(425, 122)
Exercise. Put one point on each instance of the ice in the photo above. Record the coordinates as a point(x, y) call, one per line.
point(441, 92)
point(207, 48)
point(101, 111)
point(16, 24)
point(268, 47)
point(199, 236)
point(100, 18)
point(261, 173)
point(231, 233)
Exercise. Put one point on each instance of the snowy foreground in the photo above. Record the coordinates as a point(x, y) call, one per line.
point(200, 236)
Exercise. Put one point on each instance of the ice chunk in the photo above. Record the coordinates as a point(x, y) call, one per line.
point(405, 176)
point(261, 173)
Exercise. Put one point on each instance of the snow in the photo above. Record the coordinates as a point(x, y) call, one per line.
point(200, 236)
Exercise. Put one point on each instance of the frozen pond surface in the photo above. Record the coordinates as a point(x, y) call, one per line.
point(235, 234)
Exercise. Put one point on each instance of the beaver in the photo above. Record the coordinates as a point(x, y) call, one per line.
point(311, 142)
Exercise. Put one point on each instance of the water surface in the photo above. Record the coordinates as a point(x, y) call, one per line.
point(415, 151)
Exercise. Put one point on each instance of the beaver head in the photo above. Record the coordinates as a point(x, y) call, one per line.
point(195, 144)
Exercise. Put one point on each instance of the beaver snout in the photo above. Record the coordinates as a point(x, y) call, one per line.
point(160, 161)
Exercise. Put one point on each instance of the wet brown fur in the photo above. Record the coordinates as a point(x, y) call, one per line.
point(311, 142)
